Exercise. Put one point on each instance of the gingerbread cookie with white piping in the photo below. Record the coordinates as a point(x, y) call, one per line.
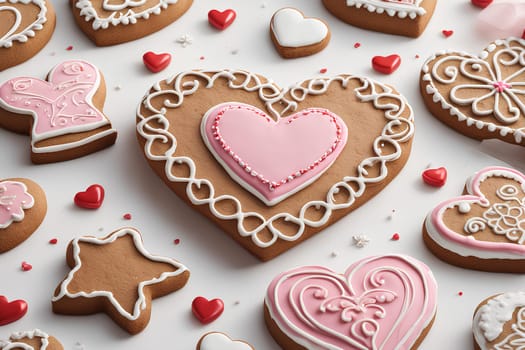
point(221, 341)
point(31, 340)
point(271, 166)
point(110, 22)
point(26, 26)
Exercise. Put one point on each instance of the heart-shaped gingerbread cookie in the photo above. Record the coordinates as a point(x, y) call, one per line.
point(231, 144)
point(110, 22)
point(25, 28)
point(485, 228)
point(401, 17)
point(481, 97)
point(383, 302)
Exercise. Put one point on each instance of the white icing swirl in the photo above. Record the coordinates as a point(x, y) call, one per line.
point(16, 33)
point(399, 8)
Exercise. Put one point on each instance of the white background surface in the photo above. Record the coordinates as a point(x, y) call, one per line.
point(220, 268)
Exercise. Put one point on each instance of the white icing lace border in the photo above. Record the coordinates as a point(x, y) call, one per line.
point(392, 9)
point(398, 129)
point(29, 32)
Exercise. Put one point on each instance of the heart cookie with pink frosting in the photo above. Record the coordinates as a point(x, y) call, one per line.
point(382, 302)
point(484, 229)
point(274, 166)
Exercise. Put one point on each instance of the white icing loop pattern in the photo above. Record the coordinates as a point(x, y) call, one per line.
point(154, 129)
point(399, 8)
point(15, 344)
point(119, 15)
point(16, 33)
point(490, 92)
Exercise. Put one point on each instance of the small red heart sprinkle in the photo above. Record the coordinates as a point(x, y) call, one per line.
point(11, 311)
point(53, 241)
point(91, 198)
point(69, 48)
point(357, 45)
point(395, 237)
point(481, 3)
point(435, 177)
point(221, 20)
point(323, 70)
point(26, 266)
point(156, 62)
point(386, 64)
point(460, 293)
point(417, 56)
point(207, 311)
point(127, 216)
point(176, 241)
point(447, 33)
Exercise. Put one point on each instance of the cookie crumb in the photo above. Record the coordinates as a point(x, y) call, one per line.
point(118, 87)
point(185, 40)
point(79, 346)
point(26, 266)
point(334, 254)
point(53, 241)
point(360, 241)
point(235, 52)
point(395, 237)
point(236, 302)
point(263, 5)
point(391, 216)
point(126, 216)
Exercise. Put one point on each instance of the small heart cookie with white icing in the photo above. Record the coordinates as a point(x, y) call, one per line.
point(221, 341)
point(111, 22)
point(400, 17)
point(63, 115)
point(295, 35)
point(31, 340)
point(499, 322)
point(484, 228)
point(23, 207)
point(483, 96)
point(26, 26)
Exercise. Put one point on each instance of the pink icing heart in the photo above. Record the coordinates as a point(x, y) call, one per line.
point(273, 159)
point(59, 106)
point(382, 302)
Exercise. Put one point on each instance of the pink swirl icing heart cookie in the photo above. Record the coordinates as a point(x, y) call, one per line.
point(483, 96)
point(485, 228)
point(401, 17)
point(272, 167)
point(25, 28)
point(110, 22)
point(383, 302)
point(63, 115)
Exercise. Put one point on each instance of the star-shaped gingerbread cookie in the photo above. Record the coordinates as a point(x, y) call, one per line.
point(116, 275)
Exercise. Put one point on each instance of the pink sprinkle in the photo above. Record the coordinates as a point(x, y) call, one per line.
point(460, 293)
point(323, 70)
point(357, 45)
point(417, 56)
point(127, 216)
point(69, 48)
point(53, 241)
point(176, 241)
point(26, 266)
point(201, 58)
point(395, 237)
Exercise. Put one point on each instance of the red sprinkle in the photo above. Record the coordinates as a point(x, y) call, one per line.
point(395, 237)
point(26, 266)
point(176, 241)
point(53, 241)
point(201, 58)
point(69, 48)
point(323, 70)
point(417, 56)
point(447, 33)
point(357, 45)
point(127, 216)
point(460, 293)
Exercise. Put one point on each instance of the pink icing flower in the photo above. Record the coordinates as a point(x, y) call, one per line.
point(14, 198)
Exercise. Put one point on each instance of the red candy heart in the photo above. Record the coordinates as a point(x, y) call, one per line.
point(11, 311)
point(156, 62)
point(435, 177)
point(386, 64)
point(481, 3)
point(447, 33)
point(206, 310)
point(26, 266)
point(92, 198)
point(221, 20)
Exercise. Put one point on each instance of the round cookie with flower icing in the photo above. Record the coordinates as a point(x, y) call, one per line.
point(271, 166)
point(108, 22)
point(31, 340)
point(23, 207)
point(483, 96)
point(400, 17)
point(381, 302)
point(26, 26)
point(499, 322)
point(63, 115)
point(484, 228)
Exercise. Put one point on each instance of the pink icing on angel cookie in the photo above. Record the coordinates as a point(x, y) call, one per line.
point(14, 199)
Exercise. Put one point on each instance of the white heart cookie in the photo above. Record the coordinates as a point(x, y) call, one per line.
point(220, 341)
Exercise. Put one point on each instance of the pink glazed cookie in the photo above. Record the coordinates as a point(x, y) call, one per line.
point(484, 228)
point(62, 115)
point(382, 302)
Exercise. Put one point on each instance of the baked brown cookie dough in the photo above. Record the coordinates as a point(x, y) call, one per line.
point(31, 340)
point(108, 22)
point(228, 143)
point(23, 207)
point(408, 18)
point(25, 28)
point(479, 96)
